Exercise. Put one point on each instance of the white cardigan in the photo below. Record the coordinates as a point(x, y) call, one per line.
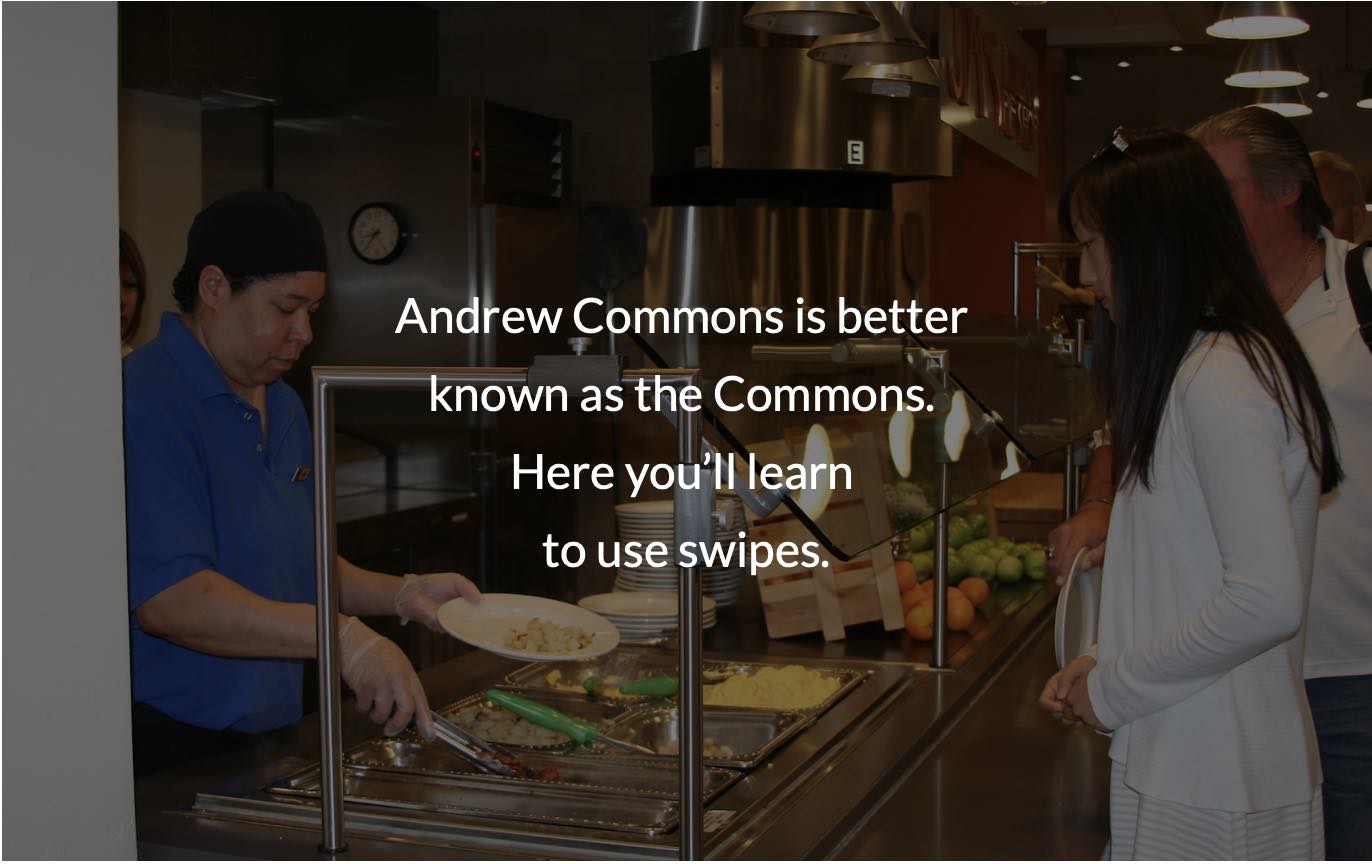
point(1203, 600)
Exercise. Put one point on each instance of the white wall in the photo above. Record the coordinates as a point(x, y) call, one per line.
point(68, 768)
point(159, 188)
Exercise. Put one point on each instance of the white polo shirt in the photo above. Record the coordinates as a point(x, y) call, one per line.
point(1339, 628)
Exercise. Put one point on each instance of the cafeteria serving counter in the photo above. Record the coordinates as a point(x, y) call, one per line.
point(911, 763)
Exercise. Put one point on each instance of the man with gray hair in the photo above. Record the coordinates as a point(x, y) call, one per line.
point(1274, 183)
point(1342, 191)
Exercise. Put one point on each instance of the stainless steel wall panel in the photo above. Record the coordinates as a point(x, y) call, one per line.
point(775, 109)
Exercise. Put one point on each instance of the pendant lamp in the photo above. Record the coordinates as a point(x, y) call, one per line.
point(1286, 101)
point(893, 41)
point(810, 19)
point(1268, 63)
point(1257, 21)
point(895, 80)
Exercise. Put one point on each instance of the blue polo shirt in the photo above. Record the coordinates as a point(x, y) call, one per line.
point(207, 491)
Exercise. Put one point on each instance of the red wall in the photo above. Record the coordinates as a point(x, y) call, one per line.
point(976, 217)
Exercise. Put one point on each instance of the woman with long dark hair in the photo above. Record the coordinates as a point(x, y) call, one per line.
point(1222, 446)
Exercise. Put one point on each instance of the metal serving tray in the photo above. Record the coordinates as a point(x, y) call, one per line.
point(628, 664)
point(652, 777)
point(848, 680)
point(496, 797)
point(633, 663)
point(601, 712)
point(750, 734)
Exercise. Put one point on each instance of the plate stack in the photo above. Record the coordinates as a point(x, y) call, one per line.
point(641, 616)
point(648, 521)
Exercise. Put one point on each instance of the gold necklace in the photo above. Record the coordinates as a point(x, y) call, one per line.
point(1294, 292)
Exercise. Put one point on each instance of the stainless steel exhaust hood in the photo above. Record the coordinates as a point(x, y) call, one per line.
point(771, 109)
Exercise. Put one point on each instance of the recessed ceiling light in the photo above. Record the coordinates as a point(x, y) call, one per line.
point(1176, 49)
point(1075, 76)
point(1124, 63)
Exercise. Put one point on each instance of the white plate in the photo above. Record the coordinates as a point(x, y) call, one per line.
point(665, 505)
point(1074, 629)
point(636, 603)
point(485, 624)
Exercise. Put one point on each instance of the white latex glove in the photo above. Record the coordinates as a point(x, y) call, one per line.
point(387, 688)
point(418, 598)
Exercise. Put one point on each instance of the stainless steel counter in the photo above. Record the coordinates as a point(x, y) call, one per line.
point(914, 765)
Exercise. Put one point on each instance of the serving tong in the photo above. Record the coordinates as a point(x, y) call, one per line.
point(489, 757)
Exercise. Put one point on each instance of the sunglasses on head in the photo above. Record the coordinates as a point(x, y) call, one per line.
point(1117, 142)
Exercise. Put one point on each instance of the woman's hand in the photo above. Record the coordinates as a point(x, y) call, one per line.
point(1055, 698)
point(418, 597)
point(1079, 702)
point(1085, 530)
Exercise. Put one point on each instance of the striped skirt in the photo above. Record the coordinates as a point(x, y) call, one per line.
point(1143, 828)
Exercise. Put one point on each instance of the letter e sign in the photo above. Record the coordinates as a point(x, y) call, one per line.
point(857, 153)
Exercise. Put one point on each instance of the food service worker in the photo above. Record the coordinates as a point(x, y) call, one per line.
point(220, 504)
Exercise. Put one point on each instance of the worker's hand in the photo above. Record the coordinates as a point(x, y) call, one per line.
point(1086, 529)
point(386, 686)
point(1055, 697)
point(418, 597)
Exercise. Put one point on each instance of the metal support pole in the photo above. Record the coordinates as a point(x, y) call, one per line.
point(1038, 292)
point(1071, 492)
point(945, 500)
point(1014, 283)
point(693, 509)
point(326, 627)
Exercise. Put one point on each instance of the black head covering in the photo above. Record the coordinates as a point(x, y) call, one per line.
point(256, 233)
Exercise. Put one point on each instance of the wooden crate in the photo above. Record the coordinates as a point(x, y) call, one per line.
point(828, 599)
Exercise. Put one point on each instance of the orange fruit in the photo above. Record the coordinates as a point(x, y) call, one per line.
point(960, 611)
point(928, 588)
point(976, 590)
point(906, 577)
point(912, 598)
point(919, 623)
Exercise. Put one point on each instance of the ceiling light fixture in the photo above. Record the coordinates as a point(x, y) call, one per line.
point(895, 80)
point(1320, 92)
point(1176, 49)
point(810, 19)
point(1257, 21)
point(1267, 64)
point(893, 41)
point(1124, 63)
point(1366, 100)
point(1286, 101)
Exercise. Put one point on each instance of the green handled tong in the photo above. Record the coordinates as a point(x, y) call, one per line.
point(658, 685)
point(579, 731)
